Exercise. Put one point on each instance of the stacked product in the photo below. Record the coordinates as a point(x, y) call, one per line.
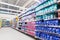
point(47, 22)
point(19, 25)
point(48, 28)
point(23, 28)
point(59, 12)
point(7, 23)
point(3, 22)
point(0, 23)
point(31, 28)
point(28, 23)
point(14, 23)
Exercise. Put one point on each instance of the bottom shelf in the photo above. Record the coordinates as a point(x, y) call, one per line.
point(39, 38)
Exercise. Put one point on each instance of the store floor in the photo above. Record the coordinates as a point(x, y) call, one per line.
point(8, 33)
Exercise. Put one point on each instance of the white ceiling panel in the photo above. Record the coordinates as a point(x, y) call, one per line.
point(14, 5)
point(5, 1)
point(22, 2)
point(10, 1)
point(30, 4)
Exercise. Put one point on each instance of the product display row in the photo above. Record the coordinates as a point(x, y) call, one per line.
point(46, 36)
point(49, 9)
point(28, 27)
point(41, 21)
point(48, 16)
point(46, 4)
point(4, 23)
point(52, 22)
point(0, 23)
point(47, 22)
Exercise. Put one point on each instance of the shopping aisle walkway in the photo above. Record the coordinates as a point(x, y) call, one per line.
point(8, 33)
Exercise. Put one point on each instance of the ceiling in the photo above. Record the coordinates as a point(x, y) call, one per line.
point(14, 7)
point(21, 3)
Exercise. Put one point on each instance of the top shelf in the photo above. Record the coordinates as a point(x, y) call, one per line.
point(39, 5)
point(33, 8)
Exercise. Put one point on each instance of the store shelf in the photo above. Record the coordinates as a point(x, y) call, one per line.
point(36, 6)
point(30, 30)
point(50, 33)
point(41, 4)
point(33, 8)
point(48, 12)
point(49, 26)
point(50, 19)
point(28, 14)
point(46, 6)
point(39, 38)
point(40, 9)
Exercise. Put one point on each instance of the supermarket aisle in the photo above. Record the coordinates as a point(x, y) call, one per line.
point(8, 33)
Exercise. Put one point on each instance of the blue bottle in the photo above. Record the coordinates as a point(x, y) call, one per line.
point(37, 33)
point(58, 30)
point(55, 38)
point(48, 37)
